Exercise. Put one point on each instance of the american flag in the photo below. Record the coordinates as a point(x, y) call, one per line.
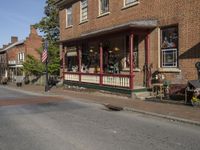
point(44, 55)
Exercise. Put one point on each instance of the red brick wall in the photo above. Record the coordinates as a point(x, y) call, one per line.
point(29, 47)
point(183, 13)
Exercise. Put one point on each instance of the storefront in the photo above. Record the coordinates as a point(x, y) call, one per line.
point(110, 59)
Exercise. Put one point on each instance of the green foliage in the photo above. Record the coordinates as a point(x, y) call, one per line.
point(49, 26)
point(33, 66)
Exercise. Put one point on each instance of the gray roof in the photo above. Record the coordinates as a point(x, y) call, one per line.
point(12, 45)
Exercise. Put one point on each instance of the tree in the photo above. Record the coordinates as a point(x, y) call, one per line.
point(49, 26)
point(33, 66)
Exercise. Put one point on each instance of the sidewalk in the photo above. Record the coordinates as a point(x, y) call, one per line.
point(178, 112)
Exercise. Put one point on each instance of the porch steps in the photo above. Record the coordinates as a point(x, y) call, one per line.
point(142, 95)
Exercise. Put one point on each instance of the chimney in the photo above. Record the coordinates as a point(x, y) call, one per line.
point(33, 30)
point(14, 39)
point(4, 46)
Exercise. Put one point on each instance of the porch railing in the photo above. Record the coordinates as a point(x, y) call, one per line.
point(116, 80)
point(90, 78)
point(108, 79)
point(72, 76)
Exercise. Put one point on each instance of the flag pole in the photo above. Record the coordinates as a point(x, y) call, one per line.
point(46, 66)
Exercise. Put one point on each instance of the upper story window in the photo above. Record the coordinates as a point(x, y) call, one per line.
point(169, 47)
point(69, 18)
point(84, 10)
point(104, 6)
point(129, 2)
point(20, 57)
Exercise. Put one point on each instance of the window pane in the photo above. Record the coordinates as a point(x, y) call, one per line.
point(69, 16)
point(84, 10)
point(127, 2)
point(169, 57)
point(169, 37)
point(104, 6)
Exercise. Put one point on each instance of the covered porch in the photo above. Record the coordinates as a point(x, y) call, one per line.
point(110, 57)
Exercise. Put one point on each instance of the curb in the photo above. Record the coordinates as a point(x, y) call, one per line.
point(162, 116)
point(115, 107)
point(23, 91)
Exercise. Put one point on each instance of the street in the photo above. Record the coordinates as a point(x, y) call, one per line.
point(75, 125)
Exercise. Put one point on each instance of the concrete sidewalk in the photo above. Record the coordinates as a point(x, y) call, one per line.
point(177, 112)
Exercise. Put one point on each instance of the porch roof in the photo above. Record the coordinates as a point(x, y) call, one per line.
point(140, 24)
point(146, 24)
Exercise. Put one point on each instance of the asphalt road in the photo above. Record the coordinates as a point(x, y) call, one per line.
point(73, 125)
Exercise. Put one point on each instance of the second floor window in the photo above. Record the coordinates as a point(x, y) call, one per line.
point(69, 16)
point(21, 57)
point(84, 10)
point(104, 6)
point(129, 2)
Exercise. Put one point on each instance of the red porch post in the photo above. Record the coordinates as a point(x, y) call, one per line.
point(131, 45)
point(101, 63)
point(147, 61)
point(79, 62)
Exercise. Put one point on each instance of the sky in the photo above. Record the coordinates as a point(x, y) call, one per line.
point(16, 16)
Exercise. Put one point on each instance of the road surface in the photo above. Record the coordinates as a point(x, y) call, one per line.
point(74, 125)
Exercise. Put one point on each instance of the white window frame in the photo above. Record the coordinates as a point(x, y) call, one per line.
point(174, 52)
point(67, 14)
point(21, 57)
point(131, 3)
point(100, 8)
point(82, 9)
point(167, 46)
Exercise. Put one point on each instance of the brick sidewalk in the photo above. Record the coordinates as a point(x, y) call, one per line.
point(174, 110)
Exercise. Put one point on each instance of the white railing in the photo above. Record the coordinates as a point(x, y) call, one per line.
point(107, 79)
point(90, 78)
point(121, 81)
point(71, 77)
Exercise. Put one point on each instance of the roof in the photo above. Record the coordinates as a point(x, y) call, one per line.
point(140, 24)
point(61, 3)
point(12, 45)
point(131, 24)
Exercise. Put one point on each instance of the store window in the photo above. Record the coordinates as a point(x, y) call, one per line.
point(69, 20)
point(104, 6)
point(129, 2)
point(72, 59)
point(169, 47)
point(84, 10)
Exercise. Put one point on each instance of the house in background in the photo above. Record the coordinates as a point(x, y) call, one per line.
point(17, 51)
point(125, 44)
point(3, 64)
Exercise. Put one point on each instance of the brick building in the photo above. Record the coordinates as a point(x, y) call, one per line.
point(129, 43)
point(3, 64)
point(17, 51)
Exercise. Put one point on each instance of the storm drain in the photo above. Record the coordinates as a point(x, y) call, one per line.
point(113, 108)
